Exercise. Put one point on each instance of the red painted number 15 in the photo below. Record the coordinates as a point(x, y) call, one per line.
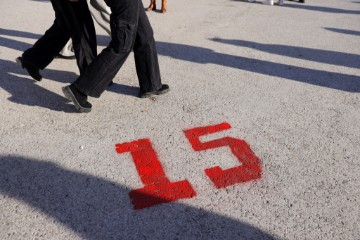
point(158, 188)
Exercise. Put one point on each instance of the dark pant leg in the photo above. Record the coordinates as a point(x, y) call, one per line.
point(146, 59)
point(71, 20)
point(83, 33)
point(99, 74)
point(50, 44)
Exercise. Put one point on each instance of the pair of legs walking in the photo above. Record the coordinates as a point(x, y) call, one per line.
point(130, 30)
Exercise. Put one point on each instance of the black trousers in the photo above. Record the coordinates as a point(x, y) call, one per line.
point(130, 30)
point(71, 20)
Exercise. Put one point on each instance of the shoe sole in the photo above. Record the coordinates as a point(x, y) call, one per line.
point(20, 63)
point(147, 95)
point(59, 56)
point(70, 96)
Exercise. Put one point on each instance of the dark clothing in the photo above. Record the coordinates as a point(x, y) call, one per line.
point(130, 30)
point(71, 20)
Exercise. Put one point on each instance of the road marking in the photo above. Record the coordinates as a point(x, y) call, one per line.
point(157, 186)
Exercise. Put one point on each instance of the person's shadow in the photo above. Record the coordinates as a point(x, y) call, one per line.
point(96, 208)
point(321, 9)
point(344, 31)
point(333, 80)
point(27, 91)
point(316, 55)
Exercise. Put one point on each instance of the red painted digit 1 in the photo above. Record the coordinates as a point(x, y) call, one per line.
point(250, 168)
point(158, 189)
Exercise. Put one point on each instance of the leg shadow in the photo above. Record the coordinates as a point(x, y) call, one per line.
point(28, 92)
point(123, 89)
point(344, 31)
point(316, 55)
point(321, 9)
point(333, 80)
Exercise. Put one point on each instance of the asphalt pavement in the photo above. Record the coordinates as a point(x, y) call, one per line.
point(258, 137)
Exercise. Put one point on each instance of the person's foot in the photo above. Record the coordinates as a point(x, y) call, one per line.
point(31, 69)
point(79, 99)
point(302, 1)
point(152, 7)
point(164, 89)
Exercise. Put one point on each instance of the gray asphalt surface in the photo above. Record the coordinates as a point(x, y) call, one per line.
point(285, 78)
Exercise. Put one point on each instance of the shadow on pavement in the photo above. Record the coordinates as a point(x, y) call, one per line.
point(27, 91)
point(316, 55)
point(96, 208)
point(314, 8)
point(321, 9)
point(123, 89)
point(344, 31)
point(333, 80)
point(202, 55)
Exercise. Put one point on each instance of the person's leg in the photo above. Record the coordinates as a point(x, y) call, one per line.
point(49, 45)
point(124, 20)
point(163, 6)
point(146, 57)
point(82, 30)
point(71, 19)
point(152, 6)
point(101, 13)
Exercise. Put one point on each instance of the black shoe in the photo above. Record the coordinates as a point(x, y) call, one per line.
point(302, 1)
point(79, 99)
point(32, 70)
point(164, 89)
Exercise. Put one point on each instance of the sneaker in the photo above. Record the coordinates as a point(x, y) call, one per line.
point(268, 2)
point(281, 2)
point(164, 89)
point(79, 99)
point(302, 1)
point(31, 69)
point(59, 55)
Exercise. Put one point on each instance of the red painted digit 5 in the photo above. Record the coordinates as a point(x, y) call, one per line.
point(250, 168)
point(158, 188)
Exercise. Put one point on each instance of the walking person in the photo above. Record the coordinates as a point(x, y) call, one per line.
point(72, 20)
point(130, 30)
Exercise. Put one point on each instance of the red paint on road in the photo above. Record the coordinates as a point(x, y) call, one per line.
point(158, 189)
point(250, 168)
